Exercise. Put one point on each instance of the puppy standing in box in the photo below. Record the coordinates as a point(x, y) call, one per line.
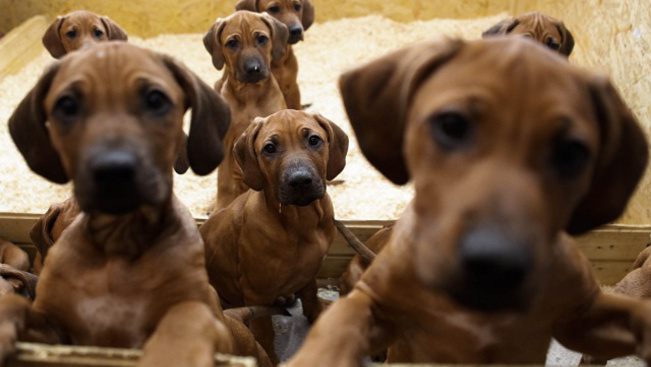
point(80, 29)
point(509, 146)
point(245, 43)
point(129, 271)
point(271, 240)
point(298, 16)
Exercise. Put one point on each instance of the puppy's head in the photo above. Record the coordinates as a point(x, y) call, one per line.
point(291, 154)
point(80, 29)
point(297, 15)
point(507, 145)
point(116, 131)
point(538, 26)
point(246, 42)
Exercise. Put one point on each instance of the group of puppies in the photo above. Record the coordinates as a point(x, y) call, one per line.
point(510, 148)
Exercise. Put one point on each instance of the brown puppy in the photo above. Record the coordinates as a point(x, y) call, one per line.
point(80, 29)
point(359, 263)
point(298, 16)
point(14, 277)
point(270, 241)
point(637, 283)
point(245, 43)
point(539, 26)
point(116, 133)
point(508, 146)
point(49, 227)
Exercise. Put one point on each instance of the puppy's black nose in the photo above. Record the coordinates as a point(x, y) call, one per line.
point(114, 168)
point(299, 179)
point(493, 265)
point(252, 66)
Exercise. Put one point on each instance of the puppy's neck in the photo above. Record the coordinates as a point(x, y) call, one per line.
point(247, 93)
point(131, 234)
point(313, 213)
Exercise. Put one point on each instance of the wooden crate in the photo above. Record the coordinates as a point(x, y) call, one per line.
point(611, 249)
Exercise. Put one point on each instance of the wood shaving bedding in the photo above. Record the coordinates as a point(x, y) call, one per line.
point(329, 49)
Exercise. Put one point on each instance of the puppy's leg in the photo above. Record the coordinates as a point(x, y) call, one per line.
point(18, 320)
point(245, 344)
point(263, 330)
point(613, 326)
point(310, 302)
point(293, 97)
point(188, 335)
point(346, 333)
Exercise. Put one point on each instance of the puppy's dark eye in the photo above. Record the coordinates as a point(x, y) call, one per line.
point(273, 9)
point(551, 43)
point(570, 157)
point(67, 107)
point(98, 33)
point(297, 7)
point(157, 102)
point(262, 40)
point(314, 141)
point(71, 34)
point(232, 43)
point(451, 130)
point(269, 148)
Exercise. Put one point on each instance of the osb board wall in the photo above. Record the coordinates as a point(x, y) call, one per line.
point(612, 36)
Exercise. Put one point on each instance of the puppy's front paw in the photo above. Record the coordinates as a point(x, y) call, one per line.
point(641, 325)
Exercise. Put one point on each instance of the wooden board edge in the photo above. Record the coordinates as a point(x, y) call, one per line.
point(42, 355)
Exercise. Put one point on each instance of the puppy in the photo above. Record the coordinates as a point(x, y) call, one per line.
point(509, 146)
point(245, 43)
point(271, 240)
point(538, 26)
point(14, 264)
point(116, 133)
point(637, 283)
point(80, 29)
point(298, 16)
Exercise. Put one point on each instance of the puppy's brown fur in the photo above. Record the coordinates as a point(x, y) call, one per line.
point(270, 241)
point(245, 43)
point(508, 146)
point(80, 29)
point(538, 26)
point(298, 16)
point(129, 271)
point(637, 283)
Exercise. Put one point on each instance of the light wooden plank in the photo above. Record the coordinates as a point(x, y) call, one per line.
point(22, 44)
point(41, 355)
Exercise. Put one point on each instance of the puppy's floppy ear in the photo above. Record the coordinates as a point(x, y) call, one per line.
point(567, 41)
point(377, 95)
point(52, 39)
point(247, 157)
point(212, 43)
point(41, 232)
point(307, 17)
point(114, 31)
point(211, 117)
point(621, 160)
point(503, 27)
point(182, 164)
point(337, 146)
point(250, 5)
point(279, 36)
point(31, 136)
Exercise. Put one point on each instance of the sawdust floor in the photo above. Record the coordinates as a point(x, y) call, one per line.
point(328, 50)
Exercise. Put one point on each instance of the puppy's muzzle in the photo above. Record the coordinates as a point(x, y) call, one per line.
point(114, 180)
point(300, 186)
point(295, 33)
point(254, 70)
point(493, 268)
